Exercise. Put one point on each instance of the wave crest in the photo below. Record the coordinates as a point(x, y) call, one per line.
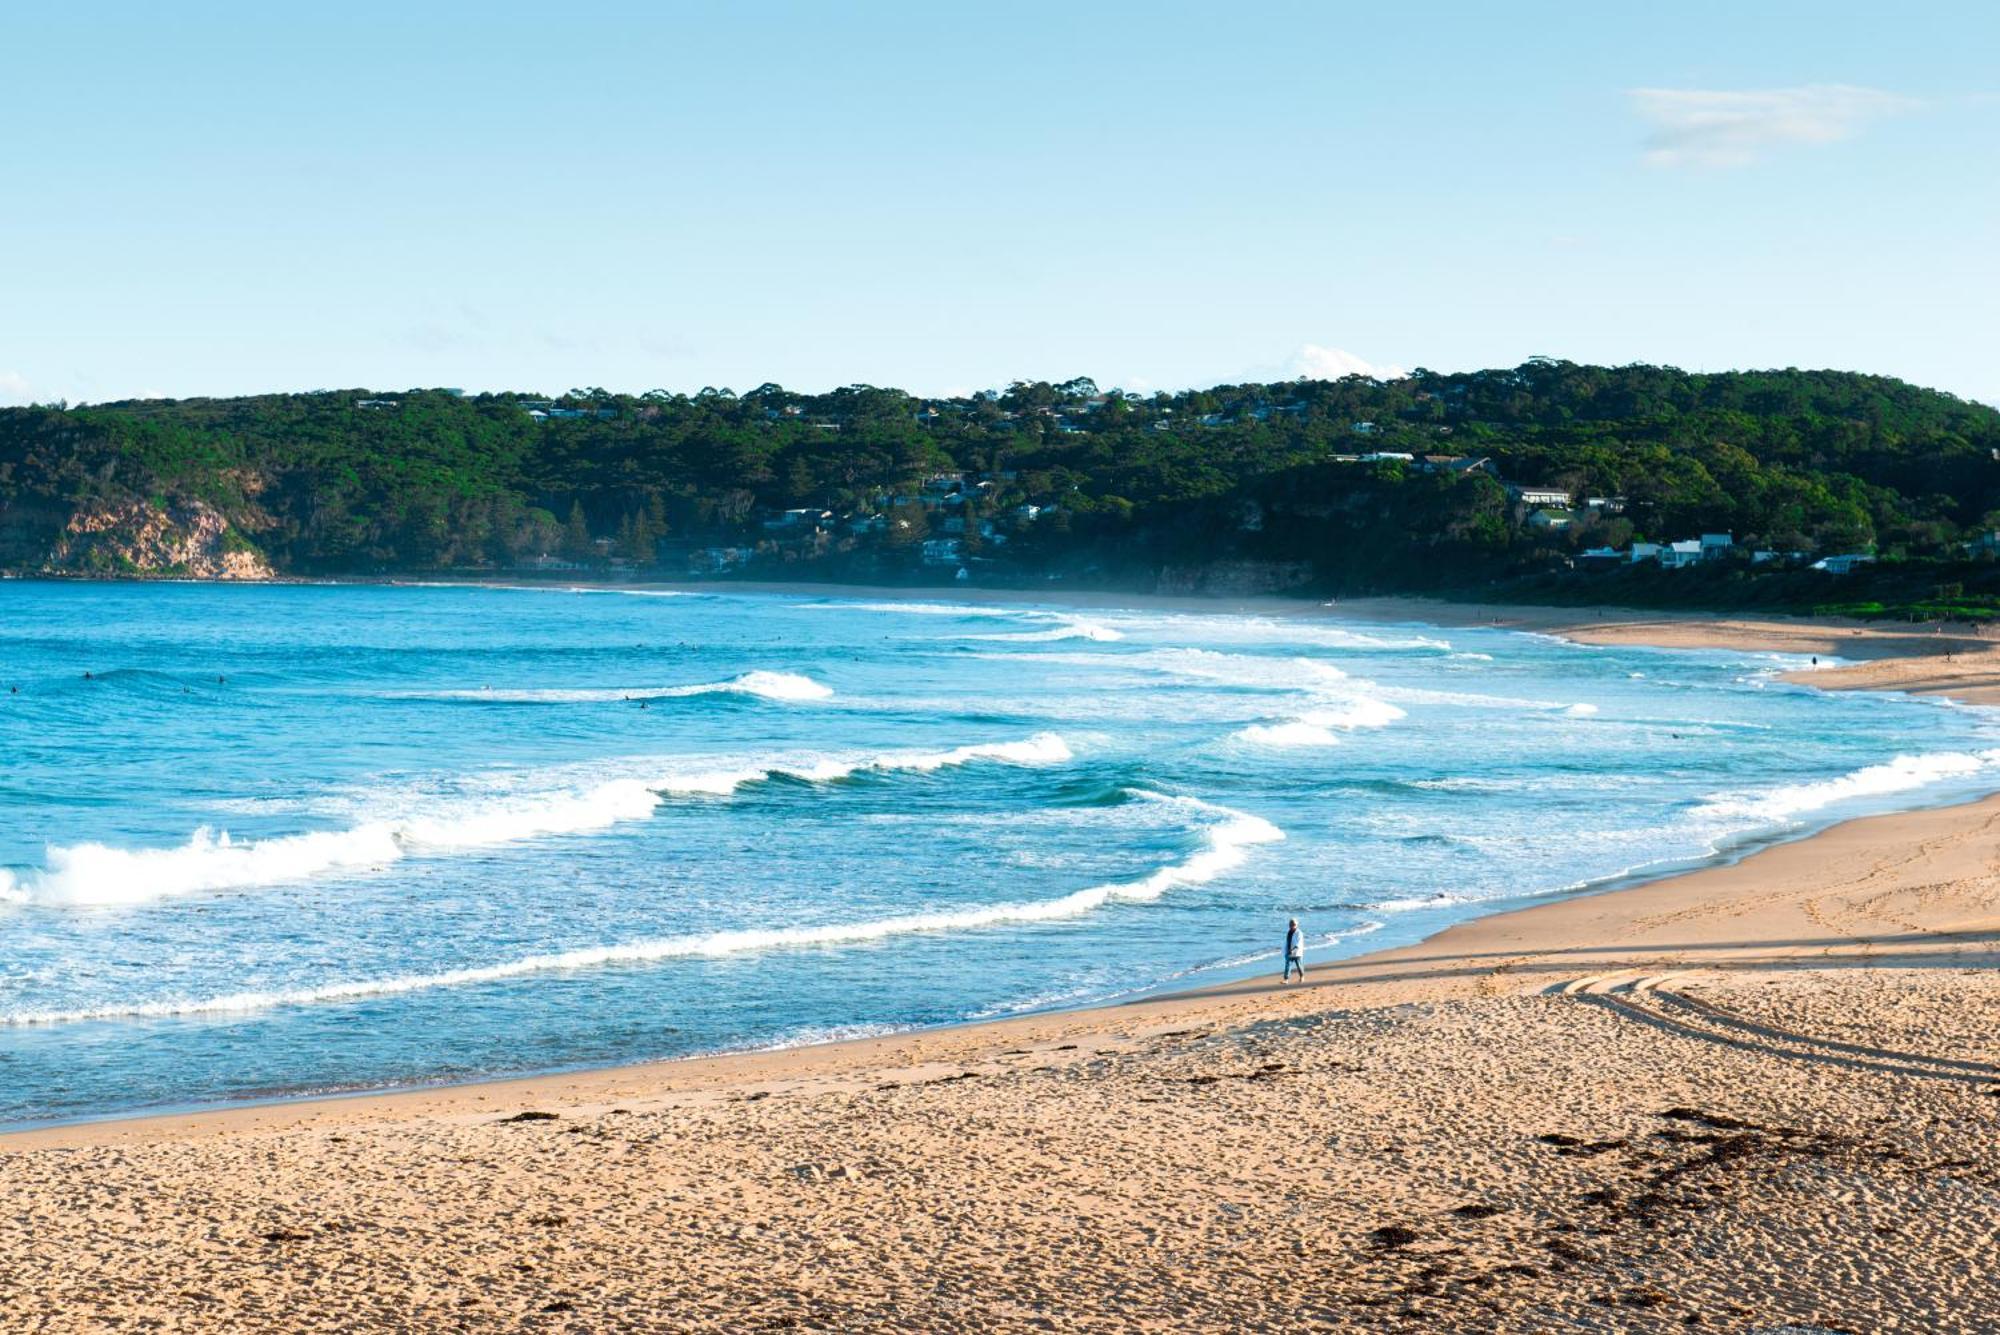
point(1227, 837)
point(785, 686)
point(94, 874)
point(1895, 776)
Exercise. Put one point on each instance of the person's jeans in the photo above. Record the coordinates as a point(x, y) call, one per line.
point(1294, 962)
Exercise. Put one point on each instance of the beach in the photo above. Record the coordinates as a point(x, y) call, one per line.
point(1753, 1097)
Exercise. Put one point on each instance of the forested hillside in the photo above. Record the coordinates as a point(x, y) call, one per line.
point(1323, 486)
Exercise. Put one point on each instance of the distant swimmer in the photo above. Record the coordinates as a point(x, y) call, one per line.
point(89, 676)
point(1295, 951)
point(219, 679)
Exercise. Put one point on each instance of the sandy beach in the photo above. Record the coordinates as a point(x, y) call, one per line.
point(1758, 1097)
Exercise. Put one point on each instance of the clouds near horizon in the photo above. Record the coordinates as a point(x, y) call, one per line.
point(1319, 363)
point(1698, 127)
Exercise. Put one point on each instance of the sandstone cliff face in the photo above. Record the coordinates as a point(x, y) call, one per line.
point(185, 538)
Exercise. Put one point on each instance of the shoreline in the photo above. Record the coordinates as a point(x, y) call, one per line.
point(1750, 1098)
point(735, 1067)
point(1886, 658)
point(1753, 1095)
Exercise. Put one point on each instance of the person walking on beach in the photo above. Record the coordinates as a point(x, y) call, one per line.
point(1295, 952)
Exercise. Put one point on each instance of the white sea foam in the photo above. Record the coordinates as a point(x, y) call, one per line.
point(1418, 695)
point(1252, 671)
point(97, 874)
point(1227, 837)
point(786, 686)
point(1070, 628)
point(1317, 727)
point(1297, 732)
point(1264, 630)
point(1901, 774)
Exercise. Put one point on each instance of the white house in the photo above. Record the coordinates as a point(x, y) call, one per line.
point(1533, 497)
point(1676, 555)
point(1645, 551)
point(1841, 565)
point(1551, 520)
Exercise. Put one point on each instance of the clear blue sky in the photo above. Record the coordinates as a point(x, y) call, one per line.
point(223, 198)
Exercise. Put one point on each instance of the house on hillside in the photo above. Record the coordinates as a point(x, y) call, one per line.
point(1715, 546)
point(1550, 520)
point(792, 520)
point(1536, 497)
point(1456, 465)
point(1680, 555)
point(1842, 565)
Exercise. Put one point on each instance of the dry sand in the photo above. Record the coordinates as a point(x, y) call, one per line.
point(1754, 1098)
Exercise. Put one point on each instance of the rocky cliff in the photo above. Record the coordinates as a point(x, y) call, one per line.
point(190, 539)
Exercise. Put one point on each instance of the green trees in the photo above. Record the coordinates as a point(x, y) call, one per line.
point(364, 480)
point(576, 543)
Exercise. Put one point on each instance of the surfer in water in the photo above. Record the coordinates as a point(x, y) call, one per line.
point(1295, 951)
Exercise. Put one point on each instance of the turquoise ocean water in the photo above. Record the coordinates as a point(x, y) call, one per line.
point(262, 841)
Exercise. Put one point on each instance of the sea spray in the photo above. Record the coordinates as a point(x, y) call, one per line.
point(1902, 774)
point(97, 874)
point(782, 686)
point(1226, 838)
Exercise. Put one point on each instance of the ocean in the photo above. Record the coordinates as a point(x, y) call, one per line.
point(265, 841)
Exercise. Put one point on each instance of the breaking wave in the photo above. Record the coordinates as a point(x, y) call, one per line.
point(97, 874)
point(1248, 671)
point(1071, 628)
point(1227, 836)
point(1317, 727)
point(785, 686)
point(1895, 776)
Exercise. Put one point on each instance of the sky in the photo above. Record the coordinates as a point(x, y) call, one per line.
point(213, 199)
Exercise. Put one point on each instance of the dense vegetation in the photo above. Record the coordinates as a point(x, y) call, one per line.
point(1082, 485)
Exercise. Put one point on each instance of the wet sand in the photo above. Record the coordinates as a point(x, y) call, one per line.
point(1750, 1098)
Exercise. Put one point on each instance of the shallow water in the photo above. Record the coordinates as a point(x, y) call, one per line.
point(291, 839)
